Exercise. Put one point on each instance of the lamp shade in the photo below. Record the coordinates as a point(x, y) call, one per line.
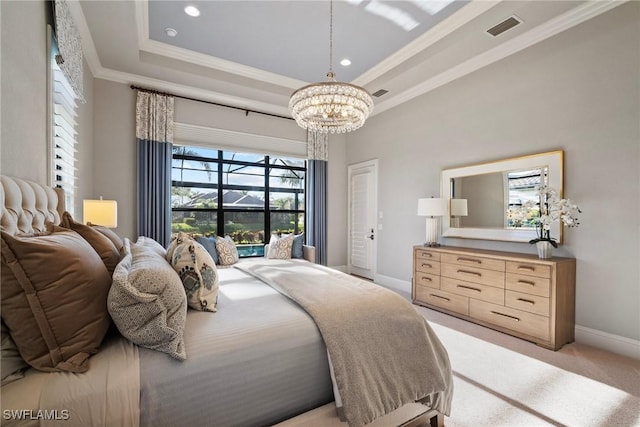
point(101, 212)
point(432, 207)
point(459, 207)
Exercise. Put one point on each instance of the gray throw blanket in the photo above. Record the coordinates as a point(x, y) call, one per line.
point(384, 354)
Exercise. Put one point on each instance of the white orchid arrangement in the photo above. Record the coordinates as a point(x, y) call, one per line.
point(551, 208)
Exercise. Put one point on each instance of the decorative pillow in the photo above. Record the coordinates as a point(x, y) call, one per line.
point(54, 298)
point(198, 274)
point(296, 249)
point(147, 301)
point(209, 244)
point(103, 246)
point(12, 364)
point(176, 239)
point(227, 251)
point(152, 244)
point(109, 234)
point(280, 247)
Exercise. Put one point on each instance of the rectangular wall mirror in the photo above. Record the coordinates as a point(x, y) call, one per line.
point(484, 197)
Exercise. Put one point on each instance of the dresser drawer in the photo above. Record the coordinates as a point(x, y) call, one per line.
point(474, 261)
point(516, 320)
point(529, 284)
point(453, 302)
point(426, 254)
point(531, 303)
point(426, 279)
point(473, 290)
point(529, 269)
point(428, 266)
point(474, 274)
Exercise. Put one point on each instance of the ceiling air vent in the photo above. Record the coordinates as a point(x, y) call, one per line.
point(505, 25)
point(379, 93)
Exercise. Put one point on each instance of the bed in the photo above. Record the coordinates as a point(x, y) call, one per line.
point(261, 359)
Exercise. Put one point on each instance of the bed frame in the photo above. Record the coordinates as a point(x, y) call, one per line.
point(27, 206)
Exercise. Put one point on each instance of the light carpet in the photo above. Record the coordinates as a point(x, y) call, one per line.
point(501, 380)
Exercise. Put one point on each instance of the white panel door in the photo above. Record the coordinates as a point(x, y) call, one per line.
point(362, 218)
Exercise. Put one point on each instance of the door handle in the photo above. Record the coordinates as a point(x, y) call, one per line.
point(372, 235)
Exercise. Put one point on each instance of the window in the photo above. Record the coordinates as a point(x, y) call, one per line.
point(216, 192)
point(63, 133)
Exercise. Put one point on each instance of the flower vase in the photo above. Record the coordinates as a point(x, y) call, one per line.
point(544, 249)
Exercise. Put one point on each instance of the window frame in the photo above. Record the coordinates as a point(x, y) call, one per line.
point(223, 164)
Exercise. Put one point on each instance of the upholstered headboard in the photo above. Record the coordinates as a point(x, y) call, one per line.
point(27, 205)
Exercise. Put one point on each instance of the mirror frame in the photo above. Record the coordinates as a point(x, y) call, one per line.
point(553, 159)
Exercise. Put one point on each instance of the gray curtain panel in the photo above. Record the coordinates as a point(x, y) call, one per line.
point(316, 231)
point(154, 137)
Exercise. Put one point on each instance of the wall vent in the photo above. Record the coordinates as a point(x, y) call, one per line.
point(505, 25)
point(379, 93)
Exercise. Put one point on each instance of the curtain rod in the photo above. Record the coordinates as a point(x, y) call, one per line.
point(246, 110)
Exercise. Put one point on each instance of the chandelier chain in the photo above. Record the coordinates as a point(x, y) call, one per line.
point(331, 36)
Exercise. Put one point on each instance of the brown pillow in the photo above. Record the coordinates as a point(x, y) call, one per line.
point(54, 298)
point(111, 235)
point(104, 247)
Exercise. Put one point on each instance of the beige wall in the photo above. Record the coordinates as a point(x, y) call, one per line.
point(579, 92)
point(115, 164)
point(23, 103)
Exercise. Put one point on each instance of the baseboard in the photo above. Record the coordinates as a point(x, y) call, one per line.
point(342, 268)
point(610, 342)
point(593, 337)
point(392, 282)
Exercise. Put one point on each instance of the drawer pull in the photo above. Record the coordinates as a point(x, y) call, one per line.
point(469, 287)
point(514, 318)
point(526, 282)
point(427, 265)
point(428, 279)
point(441, 297)
point(471, 273)
point(477, 261)
point(528, 301)
point(526, 267)
point(426, 255)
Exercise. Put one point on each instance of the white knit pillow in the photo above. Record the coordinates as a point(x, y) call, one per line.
point(227, 251)
point(280, 247)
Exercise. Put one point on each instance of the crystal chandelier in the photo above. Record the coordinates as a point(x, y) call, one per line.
point(330, 106)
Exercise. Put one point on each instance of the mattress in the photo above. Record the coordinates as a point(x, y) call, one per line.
point(259, 360)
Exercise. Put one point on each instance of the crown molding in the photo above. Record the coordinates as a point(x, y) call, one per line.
point(189, 91)
point(542, 32)
point(163, 49)
point(438, 32)
point(88, 47)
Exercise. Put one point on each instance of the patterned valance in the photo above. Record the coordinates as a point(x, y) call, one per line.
point(154, 117)
point(69, 58)
point(317, 146)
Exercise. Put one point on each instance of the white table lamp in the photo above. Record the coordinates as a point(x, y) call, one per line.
point(432, 208)
point(100, 212)
point(458, 209)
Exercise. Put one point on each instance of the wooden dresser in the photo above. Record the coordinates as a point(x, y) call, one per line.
point(518, 294)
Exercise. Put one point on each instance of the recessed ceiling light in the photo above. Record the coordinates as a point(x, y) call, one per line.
point(345, 62)
point(171, 32)
point(192, 11)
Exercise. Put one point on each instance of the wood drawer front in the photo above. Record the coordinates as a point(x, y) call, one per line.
point(426, 279)
point(474, 274)
point(453, 302)
point(531, 303)
point(473, 290)
point(516, 320)
point(425, 254)
point(474, 261)
point(529, 284)
point(529, 269)
point(428, 266)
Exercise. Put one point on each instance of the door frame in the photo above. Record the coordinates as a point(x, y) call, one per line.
point(373, 163)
